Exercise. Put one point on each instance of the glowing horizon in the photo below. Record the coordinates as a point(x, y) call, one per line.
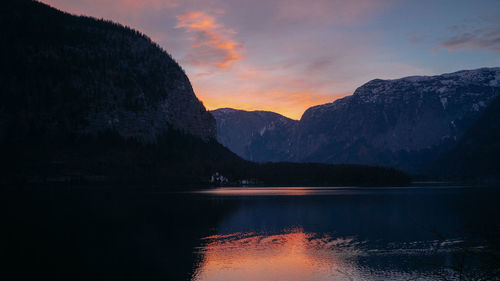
point(288, 55)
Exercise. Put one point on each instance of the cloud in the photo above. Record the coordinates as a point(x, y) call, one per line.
point(212, 43)
point(482, 38)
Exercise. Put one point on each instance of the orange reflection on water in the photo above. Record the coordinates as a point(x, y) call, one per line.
point(288, 191)
point(290, 256)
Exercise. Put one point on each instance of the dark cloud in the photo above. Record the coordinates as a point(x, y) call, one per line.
point(486, 38)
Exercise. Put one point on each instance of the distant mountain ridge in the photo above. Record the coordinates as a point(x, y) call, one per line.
point(255, 135)
point(403, 123)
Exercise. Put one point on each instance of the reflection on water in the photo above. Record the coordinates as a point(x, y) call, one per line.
point(243, 191)
point(293, 255)
point(274, 191)
point(296, 255)
point(300, 191)
point(347, 233)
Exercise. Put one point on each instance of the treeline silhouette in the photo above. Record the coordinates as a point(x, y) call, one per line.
point(175, 160)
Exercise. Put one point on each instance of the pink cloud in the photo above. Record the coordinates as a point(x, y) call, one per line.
point(212, 45)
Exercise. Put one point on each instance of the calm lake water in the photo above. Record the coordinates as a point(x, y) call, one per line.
point(297, 233)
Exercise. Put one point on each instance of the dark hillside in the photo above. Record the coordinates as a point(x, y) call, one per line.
point(477, 154)
point(67, 74)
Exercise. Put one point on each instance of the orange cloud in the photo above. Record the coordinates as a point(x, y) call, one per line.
point(212, 45)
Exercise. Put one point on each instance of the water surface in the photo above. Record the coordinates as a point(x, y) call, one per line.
point(299, 233)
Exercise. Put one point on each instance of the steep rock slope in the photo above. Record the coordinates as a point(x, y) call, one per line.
point(403, 123)
point(79, 75)
point(260, 136)
point(477, 153)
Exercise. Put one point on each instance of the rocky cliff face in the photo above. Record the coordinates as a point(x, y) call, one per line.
point(403, 123)
point(260, 136)
point(79, 75)
point(477, 152)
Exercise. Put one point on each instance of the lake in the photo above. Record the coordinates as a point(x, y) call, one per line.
point(295, 233)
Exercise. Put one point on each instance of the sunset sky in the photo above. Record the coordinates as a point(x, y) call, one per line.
point(288, 55)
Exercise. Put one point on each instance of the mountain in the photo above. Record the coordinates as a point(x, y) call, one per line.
point(255, 135)
point(403, 123)
point(80, 75)
point(477, 153)
point(83, 99)
point(86, 100)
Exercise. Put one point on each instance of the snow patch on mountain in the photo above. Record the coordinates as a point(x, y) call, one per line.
point(444, 102)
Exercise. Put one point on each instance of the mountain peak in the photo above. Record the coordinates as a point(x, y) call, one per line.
point(457, 83)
